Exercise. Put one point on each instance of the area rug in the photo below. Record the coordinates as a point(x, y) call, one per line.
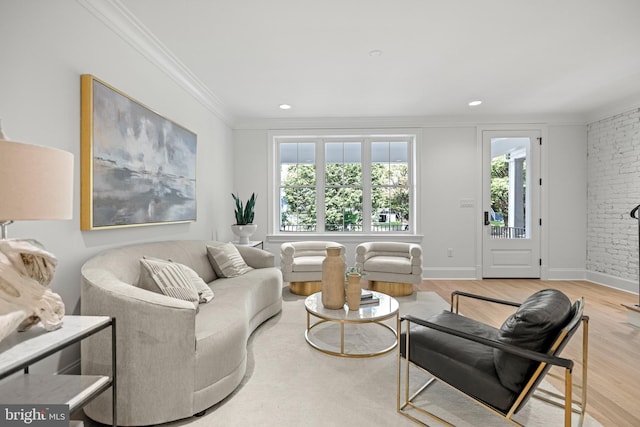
point(288, 383)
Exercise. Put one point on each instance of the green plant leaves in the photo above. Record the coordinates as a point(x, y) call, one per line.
point(244, 215)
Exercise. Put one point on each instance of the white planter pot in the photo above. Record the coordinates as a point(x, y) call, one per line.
point(244, 232)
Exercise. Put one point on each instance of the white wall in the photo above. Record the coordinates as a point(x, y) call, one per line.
point(46, 46)
point(449, 169)
point(566, 200)
point(250, 150)
point(613, 190)
point(449, 172)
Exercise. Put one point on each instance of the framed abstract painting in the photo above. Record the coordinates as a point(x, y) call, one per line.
point(137, 167)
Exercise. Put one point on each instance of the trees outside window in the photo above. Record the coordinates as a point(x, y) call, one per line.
point(500, 188)
point(345, 186)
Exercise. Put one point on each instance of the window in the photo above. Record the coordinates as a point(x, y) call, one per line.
point(344, 184)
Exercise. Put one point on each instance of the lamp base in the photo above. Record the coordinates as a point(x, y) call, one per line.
point(4, 225)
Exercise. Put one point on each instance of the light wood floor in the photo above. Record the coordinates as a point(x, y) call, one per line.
point(614, 344)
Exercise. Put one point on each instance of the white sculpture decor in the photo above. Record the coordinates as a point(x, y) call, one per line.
point(26, 269)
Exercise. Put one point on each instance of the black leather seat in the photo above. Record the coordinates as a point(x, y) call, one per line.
point(500, 368)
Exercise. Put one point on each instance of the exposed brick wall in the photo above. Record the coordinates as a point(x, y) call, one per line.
point(613, 189)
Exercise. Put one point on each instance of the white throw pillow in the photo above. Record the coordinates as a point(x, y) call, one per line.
point(204, 291)
point(227, 261)
point(168, 278)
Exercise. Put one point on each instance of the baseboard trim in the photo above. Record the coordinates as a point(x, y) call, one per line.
point(453, 273)
point(565, 274)
point(612, 281)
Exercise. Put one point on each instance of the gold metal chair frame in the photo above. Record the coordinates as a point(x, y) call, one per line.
point(547, 361)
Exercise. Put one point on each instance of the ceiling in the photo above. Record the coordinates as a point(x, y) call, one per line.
point(519, 57)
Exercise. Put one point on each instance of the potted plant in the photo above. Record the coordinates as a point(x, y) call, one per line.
point(244, 226)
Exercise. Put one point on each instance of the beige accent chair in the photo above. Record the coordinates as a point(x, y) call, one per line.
point(390, 267)
point(301, 264)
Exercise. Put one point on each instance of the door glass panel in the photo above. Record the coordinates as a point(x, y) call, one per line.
point(509, 196)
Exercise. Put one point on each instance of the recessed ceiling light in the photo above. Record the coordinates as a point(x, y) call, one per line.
point(285, 106)
point(474, 103)
point(375, 52)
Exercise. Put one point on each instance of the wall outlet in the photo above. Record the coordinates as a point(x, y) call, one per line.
point(450, 252)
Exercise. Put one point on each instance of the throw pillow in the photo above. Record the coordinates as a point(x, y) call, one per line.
point(227, 261)
point(534, 326)
point(167, 278)
point(204, 291)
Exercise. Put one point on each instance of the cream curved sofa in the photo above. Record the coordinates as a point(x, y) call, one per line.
point(173, 361)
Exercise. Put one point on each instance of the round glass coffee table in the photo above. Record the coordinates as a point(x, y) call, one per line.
point(372, 315)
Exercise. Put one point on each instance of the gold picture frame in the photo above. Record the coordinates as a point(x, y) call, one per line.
point(137, 167)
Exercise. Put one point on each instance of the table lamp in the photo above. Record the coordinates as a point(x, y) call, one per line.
point(37, 184)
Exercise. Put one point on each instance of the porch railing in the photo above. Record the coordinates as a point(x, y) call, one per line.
point(499, 232)
point(341, 227)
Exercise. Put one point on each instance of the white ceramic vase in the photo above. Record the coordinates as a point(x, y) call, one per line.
point(244, 232)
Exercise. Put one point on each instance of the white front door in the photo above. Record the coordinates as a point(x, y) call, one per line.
point(511, 204)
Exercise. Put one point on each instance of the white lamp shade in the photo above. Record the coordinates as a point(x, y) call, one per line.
point(36, 183)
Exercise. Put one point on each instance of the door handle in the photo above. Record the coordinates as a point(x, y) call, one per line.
point(486, 218)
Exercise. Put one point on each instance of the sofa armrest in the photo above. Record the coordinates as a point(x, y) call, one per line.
point(256, 258)
point(362, 253)
point(287, 253)
point(287, 249)
point(415, 252)
point(151, 326)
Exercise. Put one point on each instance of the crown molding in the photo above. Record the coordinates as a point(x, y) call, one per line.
point(126, 25)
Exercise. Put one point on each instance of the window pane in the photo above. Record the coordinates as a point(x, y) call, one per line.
point(297, 163)
point(343, 209)
point(343, 191)
point(394, 217)
point(297, 209)
point(298, 175)
point(297, 186)
point(390, 186)
point(343, 163)
point(398, 152)
point(399, 206)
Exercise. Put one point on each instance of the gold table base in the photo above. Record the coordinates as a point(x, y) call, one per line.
point(377, 320)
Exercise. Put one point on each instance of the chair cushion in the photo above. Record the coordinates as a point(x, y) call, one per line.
point(308, 263)
point(466, 365)
point(534, 326)
point(388, 264)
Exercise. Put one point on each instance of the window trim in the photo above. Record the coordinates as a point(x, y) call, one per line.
point(275, 137)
